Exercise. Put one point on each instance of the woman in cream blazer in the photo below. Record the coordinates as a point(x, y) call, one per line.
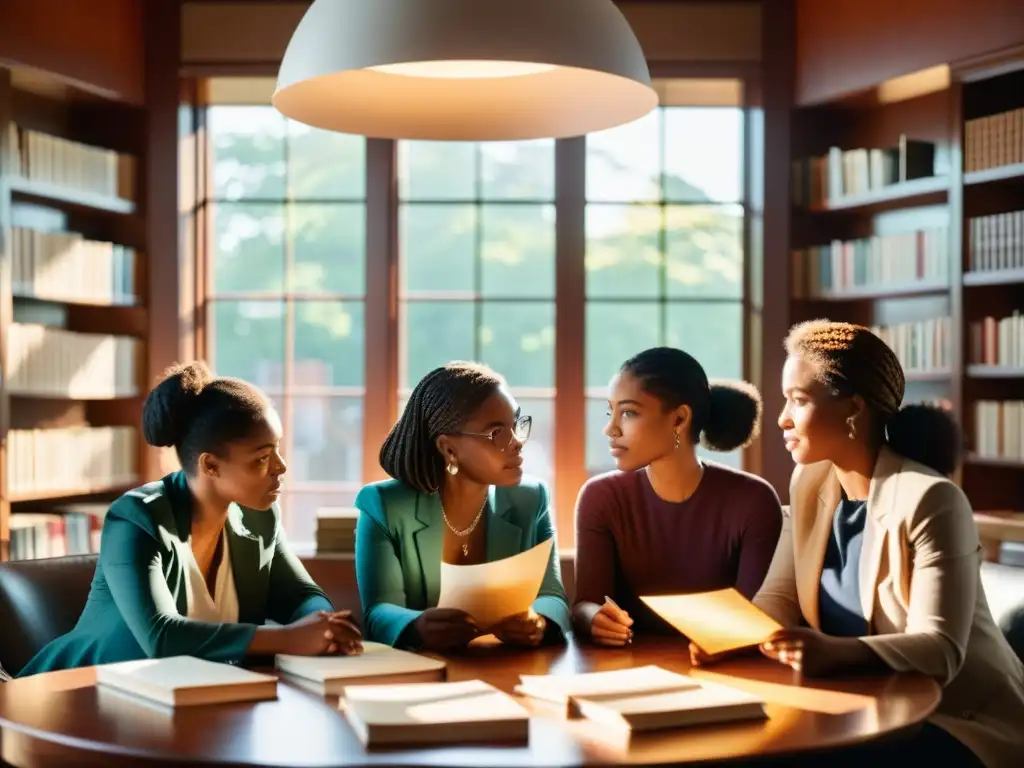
point(878, 564)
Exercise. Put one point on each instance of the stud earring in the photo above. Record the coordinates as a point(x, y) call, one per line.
point(453, 468)
point(677, 438)
point(851, 423)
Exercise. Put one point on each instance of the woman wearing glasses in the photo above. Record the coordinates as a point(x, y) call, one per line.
point(458, 496)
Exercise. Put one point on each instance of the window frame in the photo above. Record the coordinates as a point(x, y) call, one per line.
point(381, 298)
point(662, 205)
point(208, 297)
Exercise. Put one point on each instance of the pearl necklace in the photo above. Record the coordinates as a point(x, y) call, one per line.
point(465, 531)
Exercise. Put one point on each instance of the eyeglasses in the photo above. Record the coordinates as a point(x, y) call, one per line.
point(502, 436)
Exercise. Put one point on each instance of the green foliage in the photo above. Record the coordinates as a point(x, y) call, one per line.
point(475, 222)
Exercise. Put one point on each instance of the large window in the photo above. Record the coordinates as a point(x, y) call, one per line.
point(664, 249)
point(477, 269)
point(285, 291)
point(473, 273)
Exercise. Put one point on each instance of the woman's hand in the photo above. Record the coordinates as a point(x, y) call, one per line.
point(526, 629)
point(444, 629)
point(697, 656)
point(807, 651)
point(323, 633)
point(611, 626)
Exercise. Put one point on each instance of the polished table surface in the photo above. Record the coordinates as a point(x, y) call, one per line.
point(63, 717)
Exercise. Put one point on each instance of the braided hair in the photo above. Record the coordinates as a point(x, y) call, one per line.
point(198, 413)
point(440, 404)
point(851, 360)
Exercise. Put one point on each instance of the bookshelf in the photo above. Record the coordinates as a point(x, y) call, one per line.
point(73, 314)
point(992, 120)
point(908, 217)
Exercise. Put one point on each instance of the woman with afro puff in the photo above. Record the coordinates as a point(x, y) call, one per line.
point(666, 521)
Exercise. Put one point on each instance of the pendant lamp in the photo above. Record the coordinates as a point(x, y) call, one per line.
point(464, 70)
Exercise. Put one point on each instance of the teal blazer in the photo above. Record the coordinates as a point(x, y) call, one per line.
point(137, 602)
point(398, 551)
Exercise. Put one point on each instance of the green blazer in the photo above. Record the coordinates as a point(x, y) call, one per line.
point(138, 600)
point(398, 551)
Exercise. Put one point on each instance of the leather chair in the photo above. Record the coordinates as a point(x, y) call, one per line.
point(1004, 589)
point(42, 599)
point(39, 601)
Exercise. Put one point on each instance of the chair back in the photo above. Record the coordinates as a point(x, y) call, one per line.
point(40, 600)
point(1004, 590)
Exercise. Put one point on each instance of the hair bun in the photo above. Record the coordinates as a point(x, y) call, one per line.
point(927, 434)
point(735, 416)
point(170, 406)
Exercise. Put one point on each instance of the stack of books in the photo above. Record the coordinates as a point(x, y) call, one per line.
point(336, 530)
point(642, 699)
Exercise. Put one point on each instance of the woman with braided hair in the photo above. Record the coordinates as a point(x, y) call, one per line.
point(197, 563)
point(457, 496)
point(878, 564)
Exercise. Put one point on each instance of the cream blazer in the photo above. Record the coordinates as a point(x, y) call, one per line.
point(920, 589)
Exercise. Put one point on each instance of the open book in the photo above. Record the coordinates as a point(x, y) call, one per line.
point(378, 663)
point(182, 681)
point(720, 623)
point(466, 712)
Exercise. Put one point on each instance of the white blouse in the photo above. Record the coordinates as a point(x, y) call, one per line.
point(222, 607)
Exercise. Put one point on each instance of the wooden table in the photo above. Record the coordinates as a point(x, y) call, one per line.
point(61, 717)
point(995, 527)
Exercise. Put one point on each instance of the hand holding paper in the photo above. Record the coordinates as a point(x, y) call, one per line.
point(526, 629)
point(490, 592)
point(717, 622)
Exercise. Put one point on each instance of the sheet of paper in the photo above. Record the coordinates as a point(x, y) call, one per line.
point(718, 621)
point(490, 592)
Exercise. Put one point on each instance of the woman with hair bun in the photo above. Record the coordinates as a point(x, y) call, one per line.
point(878, 564)
point(196, 563)
point(664, 521)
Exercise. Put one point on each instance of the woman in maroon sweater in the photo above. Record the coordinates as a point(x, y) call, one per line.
point(666, 522)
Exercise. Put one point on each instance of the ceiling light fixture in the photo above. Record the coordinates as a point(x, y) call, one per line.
point(464, 70)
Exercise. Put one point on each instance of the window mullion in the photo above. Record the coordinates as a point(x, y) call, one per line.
point(570, 455)
point(381, 314)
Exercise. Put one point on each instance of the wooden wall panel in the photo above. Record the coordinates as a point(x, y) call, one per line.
point(94, 44)
point(846, 46)
point(168, 276)
point(238, 32)
point(770, 196)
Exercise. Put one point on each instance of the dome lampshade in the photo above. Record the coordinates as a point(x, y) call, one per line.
point(464, 70)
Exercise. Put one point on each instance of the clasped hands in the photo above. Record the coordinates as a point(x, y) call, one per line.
point(324, 633)
point(446, 629)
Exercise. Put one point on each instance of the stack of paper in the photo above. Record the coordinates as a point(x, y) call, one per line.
point(490, 592)
point(426, 713)
point(183, 681)
point(643, 699)
point(329, 675)
point(720, 623)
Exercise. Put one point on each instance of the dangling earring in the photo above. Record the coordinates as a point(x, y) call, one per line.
point(453, 468)
point(677, 438)
point(851, 423)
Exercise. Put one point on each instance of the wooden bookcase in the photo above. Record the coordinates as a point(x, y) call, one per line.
point(991, 124)
point(938, 285)
point(73, 310)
